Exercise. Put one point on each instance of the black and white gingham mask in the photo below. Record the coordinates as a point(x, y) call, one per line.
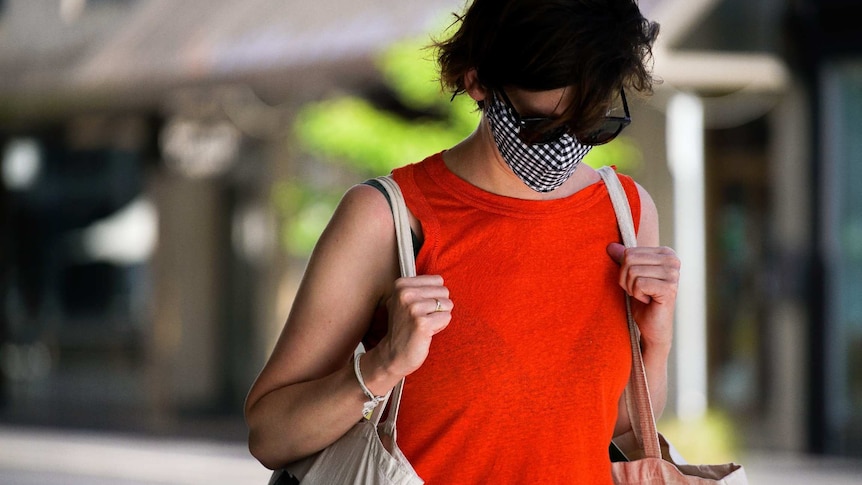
point(542, 167)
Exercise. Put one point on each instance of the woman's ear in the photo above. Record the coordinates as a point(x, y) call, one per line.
point(473, 87)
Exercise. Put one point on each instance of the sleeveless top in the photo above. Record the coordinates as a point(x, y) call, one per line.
point(523, 385)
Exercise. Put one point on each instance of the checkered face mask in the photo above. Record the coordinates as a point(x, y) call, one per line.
point(543, 167)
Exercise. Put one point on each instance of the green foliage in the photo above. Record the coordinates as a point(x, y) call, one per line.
point(411, 71)
point(622, 152)
point(352, 132)
point(304, 213)
point(349, 132)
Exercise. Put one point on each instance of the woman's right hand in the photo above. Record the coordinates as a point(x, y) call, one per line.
point(419, 308)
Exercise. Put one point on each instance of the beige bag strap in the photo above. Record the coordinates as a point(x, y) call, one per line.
point(637, 392)
point(407, 263)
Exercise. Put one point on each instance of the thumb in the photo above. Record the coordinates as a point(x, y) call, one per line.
point(616, 251)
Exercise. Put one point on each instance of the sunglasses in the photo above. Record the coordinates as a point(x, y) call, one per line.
point(536, 131)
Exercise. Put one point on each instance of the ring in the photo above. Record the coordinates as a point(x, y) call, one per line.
point(439, 307)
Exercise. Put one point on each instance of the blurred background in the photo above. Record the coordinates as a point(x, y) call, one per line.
point(168, 165)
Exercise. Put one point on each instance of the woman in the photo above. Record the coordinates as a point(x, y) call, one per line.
point(513, 336)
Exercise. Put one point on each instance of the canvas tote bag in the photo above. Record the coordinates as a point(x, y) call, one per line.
point(360, 457)
point(651, 458)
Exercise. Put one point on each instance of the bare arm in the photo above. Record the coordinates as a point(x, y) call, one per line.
point(650, 274)
point(307, 395)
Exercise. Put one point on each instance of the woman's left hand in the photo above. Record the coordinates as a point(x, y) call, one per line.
point(651, 276)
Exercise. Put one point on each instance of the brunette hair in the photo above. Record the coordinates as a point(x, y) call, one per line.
point(594, 46)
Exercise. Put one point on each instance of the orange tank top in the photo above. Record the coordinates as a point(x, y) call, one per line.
point(523, 385)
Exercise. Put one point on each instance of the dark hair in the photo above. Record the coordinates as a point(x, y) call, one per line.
point(595, 46)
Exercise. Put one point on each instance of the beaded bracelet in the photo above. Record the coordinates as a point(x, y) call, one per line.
point(369, 406)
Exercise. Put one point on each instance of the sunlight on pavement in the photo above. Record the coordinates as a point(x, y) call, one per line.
point(111, 458)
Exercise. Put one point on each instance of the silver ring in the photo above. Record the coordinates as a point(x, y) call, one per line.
point(439, 307)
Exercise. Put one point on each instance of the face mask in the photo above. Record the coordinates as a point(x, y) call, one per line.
point(542, 167)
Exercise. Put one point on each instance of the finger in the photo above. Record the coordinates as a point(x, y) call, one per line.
point(428, 322)
point(617, 252)
point(651, 263)
point(662, 273)
point(419, 281)
point(438, 321)
point(439, 305)
point(651, 256)
point(407, 292)
point(647, 290)
point(427, 286)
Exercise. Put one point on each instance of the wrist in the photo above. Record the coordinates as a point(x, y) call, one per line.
point(373, 400)
point(656, 347)
point(376, 375)
point(655, 354)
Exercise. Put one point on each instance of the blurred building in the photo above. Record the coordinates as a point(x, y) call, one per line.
point(142, 284)
point(141, 281)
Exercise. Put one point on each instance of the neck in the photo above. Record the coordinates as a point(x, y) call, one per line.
point(477, 160)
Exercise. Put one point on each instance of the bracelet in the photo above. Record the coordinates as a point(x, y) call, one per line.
point(369, 406)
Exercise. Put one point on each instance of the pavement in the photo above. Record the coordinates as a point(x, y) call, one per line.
point(31, 456)
point(41, 457)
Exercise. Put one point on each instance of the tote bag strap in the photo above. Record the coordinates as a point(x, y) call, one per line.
point(407, 263)
point(637, 392)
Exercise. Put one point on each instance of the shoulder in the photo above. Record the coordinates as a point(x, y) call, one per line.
point(648, 230)
point(366, 202)
point(362, 220)
point(357, 240)
point(643, 209)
